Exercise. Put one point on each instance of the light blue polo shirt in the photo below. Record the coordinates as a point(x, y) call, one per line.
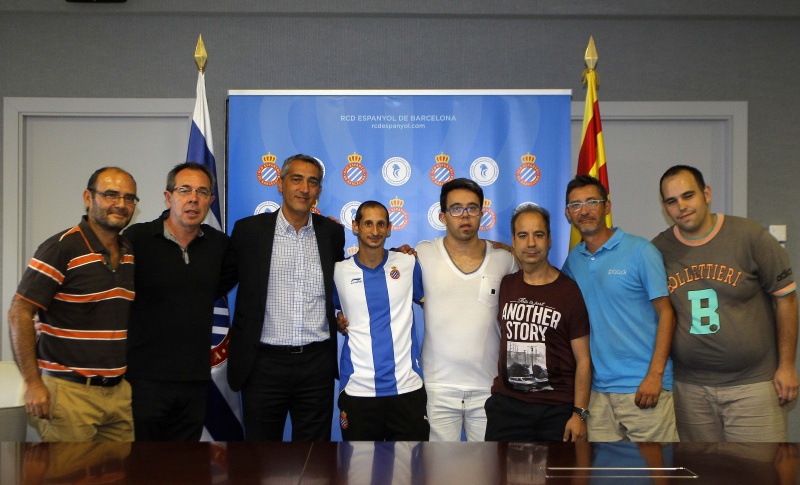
point(618, 283)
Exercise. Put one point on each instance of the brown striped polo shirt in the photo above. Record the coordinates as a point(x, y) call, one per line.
point(83, 303)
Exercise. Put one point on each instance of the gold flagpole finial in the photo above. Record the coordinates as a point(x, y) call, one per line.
point(591, 54)
point(200, 54)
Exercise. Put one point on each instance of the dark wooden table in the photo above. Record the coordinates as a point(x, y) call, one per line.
point(400, 463)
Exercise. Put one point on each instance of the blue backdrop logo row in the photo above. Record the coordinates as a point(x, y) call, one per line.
point(516, 146)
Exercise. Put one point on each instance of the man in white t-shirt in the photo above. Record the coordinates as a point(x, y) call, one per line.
point(461, 274)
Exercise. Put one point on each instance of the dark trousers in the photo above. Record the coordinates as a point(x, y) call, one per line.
point(388, 418)
point(296, 384)
point(168, 410)
point(509, 419)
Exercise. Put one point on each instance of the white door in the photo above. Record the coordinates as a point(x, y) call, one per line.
point(643, 140)
point(52, 146)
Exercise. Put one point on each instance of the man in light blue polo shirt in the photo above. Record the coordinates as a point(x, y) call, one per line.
point(624, 285)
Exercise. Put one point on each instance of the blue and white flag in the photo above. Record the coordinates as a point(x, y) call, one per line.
point(223, 414)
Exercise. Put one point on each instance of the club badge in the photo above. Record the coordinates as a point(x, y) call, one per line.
point(354, 172)
point(269, 173)
point(528, 174)
point(488, 218)
point(397, 215)
point(442, 172)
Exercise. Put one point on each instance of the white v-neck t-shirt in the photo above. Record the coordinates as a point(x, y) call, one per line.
point(462, 337)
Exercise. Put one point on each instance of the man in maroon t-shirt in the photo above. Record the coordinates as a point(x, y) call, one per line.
point(544, 371)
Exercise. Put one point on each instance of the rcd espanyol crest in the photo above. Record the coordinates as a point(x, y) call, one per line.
point(484, 171)
point(488, 218)
point(268, 173)
point(528, 174)
point(314, 208)
point(397, 215)
point(354, 172)
point(396, 171)
point(352, 250)
point(442, 172)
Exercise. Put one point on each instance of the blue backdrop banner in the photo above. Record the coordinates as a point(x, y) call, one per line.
point(399, 148)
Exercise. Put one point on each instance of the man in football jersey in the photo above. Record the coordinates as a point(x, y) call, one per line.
point(382, 397)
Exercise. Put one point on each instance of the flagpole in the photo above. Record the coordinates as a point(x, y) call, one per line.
point(201, 143)
point(592, 155)
point(223, 416)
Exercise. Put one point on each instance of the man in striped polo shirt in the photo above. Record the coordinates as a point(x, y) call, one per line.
point(80, 282)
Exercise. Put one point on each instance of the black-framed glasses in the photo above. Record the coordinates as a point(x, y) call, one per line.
point(186, 191)
point(592, 205)
point(114, 196)
point(471, 210)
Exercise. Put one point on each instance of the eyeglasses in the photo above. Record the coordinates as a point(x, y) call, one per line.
point(113, 196)
point(592, 205)
point(471, 210)
point(186, 191)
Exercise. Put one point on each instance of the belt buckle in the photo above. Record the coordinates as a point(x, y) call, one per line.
point(296, 350)
point(105, 381)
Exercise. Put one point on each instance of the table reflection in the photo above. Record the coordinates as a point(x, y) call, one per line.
point(56, 463)
point(401, 462)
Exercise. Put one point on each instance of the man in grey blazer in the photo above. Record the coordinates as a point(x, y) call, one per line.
point(283, 336)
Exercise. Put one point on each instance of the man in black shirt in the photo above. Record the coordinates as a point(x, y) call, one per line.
point(183, 266)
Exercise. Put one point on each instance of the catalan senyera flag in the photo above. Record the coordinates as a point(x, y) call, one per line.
point(592, 156)
point(223, 413)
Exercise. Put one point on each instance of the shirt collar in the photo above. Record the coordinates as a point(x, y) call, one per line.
point(168, 234)
point(608, 245)
point(283, 225)
point(94, 242)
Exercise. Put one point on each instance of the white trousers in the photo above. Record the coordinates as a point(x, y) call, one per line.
point(451, 410)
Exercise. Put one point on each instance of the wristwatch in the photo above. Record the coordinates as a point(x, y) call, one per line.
point(582, 413)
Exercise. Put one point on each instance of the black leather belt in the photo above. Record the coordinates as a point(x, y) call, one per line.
point(89, 381)
point(292, 349)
